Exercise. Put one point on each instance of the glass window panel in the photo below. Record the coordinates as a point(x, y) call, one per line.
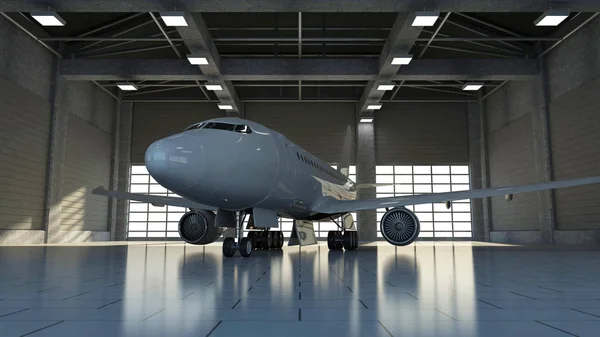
point(441, 188)
point(157, 234)
point(456, 187)
point(379, 216)
point(334, 167)
point(421, 169)
point(138, 217)
point(443, 234)
point(328, 226)
point(443, 217)
point(287, 235)
point(155, 188)
point(426, 234)
point(287, 226)
point(462, 169)
point(136, 234)
point(138, 207)
point(177, 209)
point(139, 188)
point(440, 207)
point(173, 226)
point(404, 189)
point(139, 179)
point(422, 188)
point(460, 179)
point(404, 179)
point(385, 189)
point(440, 169)
point(442, 179)
point(462, 234)
point(403, 169)
point(172, 234)
point(137, 226)
point(384, 179)
point(152, 181)
point(422, 179)
point(462, 226)
point(443, 226)
point(157, 226)
point(352, 169)
point(322, 234)
point(462, 216)
point(157, 216)
point(410, 207)
point(384, 169)
point(139, 169)
point(175, 217)
point(427, 226)
point(424, 208)
point(379, 235)
point(153, 208)
point(461, 207)
point(461, 201)
point(352, 177)
point(425, 216)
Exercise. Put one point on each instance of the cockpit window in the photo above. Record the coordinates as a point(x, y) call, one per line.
point(240, 128)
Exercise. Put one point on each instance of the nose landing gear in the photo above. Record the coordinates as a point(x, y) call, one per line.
point(243, 244)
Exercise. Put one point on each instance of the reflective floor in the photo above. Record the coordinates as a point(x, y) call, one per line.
point(431, 289)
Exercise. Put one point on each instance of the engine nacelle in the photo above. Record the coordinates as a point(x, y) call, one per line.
point(198, 228)
point(399, 226)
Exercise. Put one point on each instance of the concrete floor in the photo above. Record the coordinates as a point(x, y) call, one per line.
point(441, 289)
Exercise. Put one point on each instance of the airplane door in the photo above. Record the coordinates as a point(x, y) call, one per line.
point(288, 154)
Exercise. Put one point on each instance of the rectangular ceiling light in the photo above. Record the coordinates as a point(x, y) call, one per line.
point(384, 87)
point(472, 86)
point(402, 60)
point(214, 87)
point(197, 60)
point(551, 18)
point(225, 106)
point(48, 19)
point(373, 106)
point(366, 120)
point(425, 19)
point(174, 19)
point(127, 86)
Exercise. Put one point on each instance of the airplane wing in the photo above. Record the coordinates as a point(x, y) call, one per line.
point(153, 199)
point(342, 206)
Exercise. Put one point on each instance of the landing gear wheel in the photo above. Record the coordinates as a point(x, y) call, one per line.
point(339, 240)
point(229, 247)
point(331, 240)
point(355, 240)
point(269, 242)
point(280, 235)
point(245, 247)
point(349, 239)
point(252, 237)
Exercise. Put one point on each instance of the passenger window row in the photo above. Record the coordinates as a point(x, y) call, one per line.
point(327, 170)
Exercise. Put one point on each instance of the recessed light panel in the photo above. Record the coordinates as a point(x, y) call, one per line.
point(366, 120)
point(214, 87)
point(127, 86)
point(174, 19)
point(402, 60)
point(374, 107)
point(225, 106)
point(197, 60)
point(384, 87)
point(472, 86)
point(48, 19)
point(551, 18)
point(425, 19)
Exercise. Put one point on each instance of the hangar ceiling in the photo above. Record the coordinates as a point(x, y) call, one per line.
point(323, 54)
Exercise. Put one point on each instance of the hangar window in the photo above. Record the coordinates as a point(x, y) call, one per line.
point(436, 220)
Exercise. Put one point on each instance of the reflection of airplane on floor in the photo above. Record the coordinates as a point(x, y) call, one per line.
point(227, 168)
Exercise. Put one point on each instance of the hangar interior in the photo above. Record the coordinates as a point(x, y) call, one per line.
point(308, 70)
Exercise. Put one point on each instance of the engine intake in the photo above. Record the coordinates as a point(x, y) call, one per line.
point(399, 226)
point(197, 228)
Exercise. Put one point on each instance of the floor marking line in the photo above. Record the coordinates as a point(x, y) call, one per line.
point(558, 291)
point(390, 284)
point(214, 328)
point(299, 314)
point(116, 284)
point(41, 291)
point(363, 303)
point(188, 295)
point(482, 301)
point(100, 307)
point(154, 314)
point(512, 292)
point(349, 289)
point(209, 284)
point(16, 312)
point(66, 298)
point(445, 314)
point(250, 288)
point(415, 297)
point(236, 303)
point(384, 328)
point(555, 328)
point(299, 295)
point(584, 312)
point(46, 327)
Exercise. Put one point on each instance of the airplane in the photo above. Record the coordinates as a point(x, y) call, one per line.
point(228, 168)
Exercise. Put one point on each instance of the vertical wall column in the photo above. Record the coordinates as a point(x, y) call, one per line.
point(365, 173)
point(543, 157)
point(56, 158)
point(114, 169)
point(125, 121)
point(480, 231)
point(485, 168)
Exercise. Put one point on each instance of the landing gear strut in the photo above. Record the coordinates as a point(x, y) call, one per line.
point(244, 245)
point(336, 240)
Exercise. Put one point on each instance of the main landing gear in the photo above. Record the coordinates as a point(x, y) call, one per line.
point(336, 240)
point(265, 239)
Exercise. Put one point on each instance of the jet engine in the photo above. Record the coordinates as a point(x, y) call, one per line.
point(399, 226)
point(198, 227)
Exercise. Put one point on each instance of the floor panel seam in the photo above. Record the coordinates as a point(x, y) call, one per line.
point(46, 327)
point(555, 328)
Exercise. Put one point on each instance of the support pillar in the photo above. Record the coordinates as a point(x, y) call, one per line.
point(365, 173)
point(542, 152)
point(485, 168)
point(125, 113)
point(475, 169)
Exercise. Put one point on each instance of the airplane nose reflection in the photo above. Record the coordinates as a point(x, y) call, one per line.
point(176, 162)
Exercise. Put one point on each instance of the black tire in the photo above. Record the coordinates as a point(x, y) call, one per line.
point(339, 240)
point(269, 242)
point(280, 234)
point(355, 240)
point(331, 240)
point(252, 238)
point(229, 247)
point(245, 247)
point(348, 240)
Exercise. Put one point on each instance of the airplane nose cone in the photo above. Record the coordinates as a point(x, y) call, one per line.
point(176, 162)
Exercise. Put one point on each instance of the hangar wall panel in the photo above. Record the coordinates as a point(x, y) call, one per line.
point(319, 128)
point(575, 132)
point(153, 121)
point(24, 137)
point(421, 134)
point(511, 156)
